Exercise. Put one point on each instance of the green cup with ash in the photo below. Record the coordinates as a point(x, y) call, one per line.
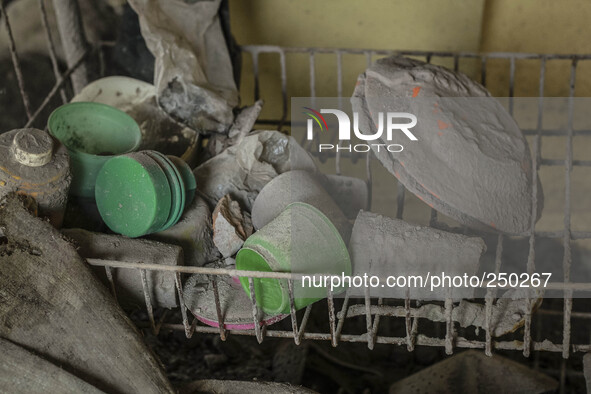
point(93, 134)
point(301, 240)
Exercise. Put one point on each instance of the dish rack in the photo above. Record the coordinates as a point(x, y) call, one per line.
point(374, 314)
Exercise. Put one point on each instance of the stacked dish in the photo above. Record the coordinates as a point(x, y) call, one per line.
point(144, 192)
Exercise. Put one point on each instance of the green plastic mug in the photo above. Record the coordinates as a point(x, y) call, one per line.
point(300, 240)
point(93, 134)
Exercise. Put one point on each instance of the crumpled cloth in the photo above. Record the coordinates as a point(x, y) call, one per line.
point(243, 169)
point(193, 70)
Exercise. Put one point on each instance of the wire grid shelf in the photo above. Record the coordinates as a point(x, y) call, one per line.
point(374, 313)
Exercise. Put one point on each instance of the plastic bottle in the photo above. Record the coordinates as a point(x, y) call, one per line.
point(32, 163)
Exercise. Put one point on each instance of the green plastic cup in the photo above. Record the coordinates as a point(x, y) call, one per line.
point(300, 240)
point(93, 134)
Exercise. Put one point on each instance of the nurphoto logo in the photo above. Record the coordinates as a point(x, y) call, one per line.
point(392, 125)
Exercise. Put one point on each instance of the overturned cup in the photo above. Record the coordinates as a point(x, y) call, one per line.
point(301, 240)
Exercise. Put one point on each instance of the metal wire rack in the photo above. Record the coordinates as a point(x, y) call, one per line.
point(375, 313)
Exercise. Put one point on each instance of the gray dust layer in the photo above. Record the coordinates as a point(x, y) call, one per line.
point(53, 305)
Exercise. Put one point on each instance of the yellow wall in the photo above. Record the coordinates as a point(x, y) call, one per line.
point(540, 26)
point(378, 24)
point(373, 24)
point(545, 26)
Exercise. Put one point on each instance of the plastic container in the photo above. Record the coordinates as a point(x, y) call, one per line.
point(32, 163)
point(177, 187)
point(300, 240)
point(93, 134)
point(141, 193)
point(297, 186)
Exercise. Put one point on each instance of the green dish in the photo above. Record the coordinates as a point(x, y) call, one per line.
point(177, 188)
point(188, 177)
point(133, 195)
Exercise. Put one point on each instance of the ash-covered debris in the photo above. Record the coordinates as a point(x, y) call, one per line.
point(473, 372)
point(161, 285)
point(243, 124)
point(245, 121)
point(231, 226)
point(235, 386)
point(235, 303)
point(242, 170)
point(408, 249)
point(31, 163)
point(194, 233)
point(197, 107)
point(297, 186)
point(18, 361)
point(53, 305)
point(193, 74)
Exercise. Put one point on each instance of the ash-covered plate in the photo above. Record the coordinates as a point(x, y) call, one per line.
point(469, 161)
point(236, 306)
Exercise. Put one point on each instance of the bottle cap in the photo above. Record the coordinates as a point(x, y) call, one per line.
point(32, 147)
